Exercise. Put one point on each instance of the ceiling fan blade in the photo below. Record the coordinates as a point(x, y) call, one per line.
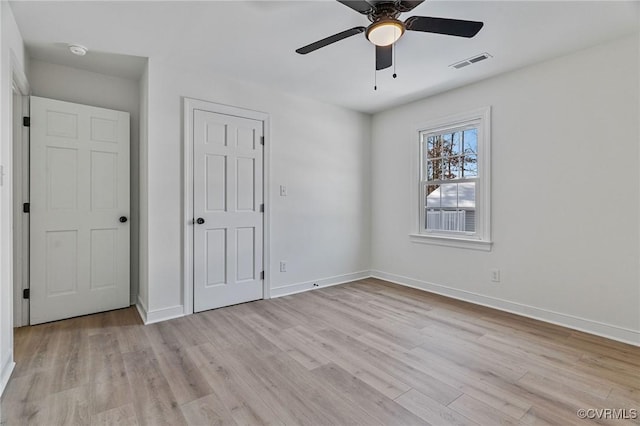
point(408, 5)
point(384, 57)
point(360, 6)
point(453, 27)
point(329, 40)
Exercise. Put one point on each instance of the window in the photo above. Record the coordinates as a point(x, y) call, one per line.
point(453, 181)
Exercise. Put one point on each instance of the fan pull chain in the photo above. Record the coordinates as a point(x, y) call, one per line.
point(393, 48)
point(375, 73)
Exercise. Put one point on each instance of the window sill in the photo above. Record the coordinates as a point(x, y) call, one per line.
point(438, 240)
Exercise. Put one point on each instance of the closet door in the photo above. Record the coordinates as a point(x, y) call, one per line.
point(79, 210)
point(228, 228)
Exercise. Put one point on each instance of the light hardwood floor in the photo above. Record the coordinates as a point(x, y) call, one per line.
point(367, 353)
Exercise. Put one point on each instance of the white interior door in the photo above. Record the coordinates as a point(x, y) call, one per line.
point(79, 198)
point(228, 194)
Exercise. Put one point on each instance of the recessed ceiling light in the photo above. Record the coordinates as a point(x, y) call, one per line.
point(77, 49)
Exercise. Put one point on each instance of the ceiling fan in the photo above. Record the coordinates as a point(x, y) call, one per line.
point(386, 28)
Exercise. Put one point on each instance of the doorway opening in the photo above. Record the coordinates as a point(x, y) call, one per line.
point(117, 91)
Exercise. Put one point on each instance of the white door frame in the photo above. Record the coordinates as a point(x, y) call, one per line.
point(189, 106)
point(20, 189)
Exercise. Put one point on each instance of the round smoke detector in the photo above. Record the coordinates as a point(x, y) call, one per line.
point(77, 49)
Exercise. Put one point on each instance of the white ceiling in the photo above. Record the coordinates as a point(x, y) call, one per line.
point(256, 40)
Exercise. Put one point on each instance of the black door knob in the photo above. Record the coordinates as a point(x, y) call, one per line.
point(199, 221)
point(123, 219)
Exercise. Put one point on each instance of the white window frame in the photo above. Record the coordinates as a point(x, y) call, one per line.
point(481, 238)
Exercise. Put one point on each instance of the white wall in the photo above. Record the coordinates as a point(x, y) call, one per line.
point(565, 193)
point(321, 152)
point(90, 88)
point(12, 60)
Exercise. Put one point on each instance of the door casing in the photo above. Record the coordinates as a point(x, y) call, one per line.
point(189, 106)
point(20, 194)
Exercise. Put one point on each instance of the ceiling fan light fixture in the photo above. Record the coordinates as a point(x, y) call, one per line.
point(385, 32)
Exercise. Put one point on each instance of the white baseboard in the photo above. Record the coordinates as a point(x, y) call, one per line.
point(5, 374)
point(150, 317)
point(164, 314)
point(609, 331)
point(142, 309)
point(597, 328)
point(323, 282)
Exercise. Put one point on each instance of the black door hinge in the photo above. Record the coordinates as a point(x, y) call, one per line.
point(26, 293)
point(261, 208)
point(26, 121)
point(261, 140)
point(262, 275)
point(26, 208)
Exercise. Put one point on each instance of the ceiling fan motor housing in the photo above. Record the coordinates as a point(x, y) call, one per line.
point(384, 10)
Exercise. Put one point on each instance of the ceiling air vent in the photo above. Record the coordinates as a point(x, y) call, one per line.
point(473, 60)
point(461, 64)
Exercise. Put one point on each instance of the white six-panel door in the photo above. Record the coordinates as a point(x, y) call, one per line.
point(227, 194)
point(79, 195)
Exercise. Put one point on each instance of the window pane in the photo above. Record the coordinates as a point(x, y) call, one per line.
point(470, 141)
point(433, 196)
point(467, 195)
point(434, 145)
point(438, 169)
point(430, 170)
point(450, 220)
point(449, 168)
point(449, 195)
point(469, 221)
point(470, 166)
point(457, 167)
point(432, 219)
point(447, 144)
point(457, 144)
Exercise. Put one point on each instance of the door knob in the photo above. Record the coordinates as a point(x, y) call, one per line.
point(199, 221)
point(123, 219)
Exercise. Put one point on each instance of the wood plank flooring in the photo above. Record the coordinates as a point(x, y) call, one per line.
point(366, 353)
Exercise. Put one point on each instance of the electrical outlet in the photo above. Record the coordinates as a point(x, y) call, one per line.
point(315, 284)
point(283, 191)
point(495, 275)
point(283, 266)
